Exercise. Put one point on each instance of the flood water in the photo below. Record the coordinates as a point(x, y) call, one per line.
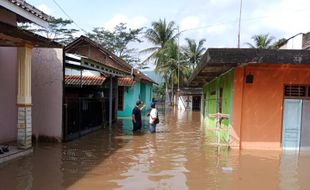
point(177, 157)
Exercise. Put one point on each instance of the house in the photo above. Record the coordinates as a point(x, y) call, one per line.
point(189, 98)
point(132, 89)
point(30, 78)
point(256, 98)
point(298, 41)
point(91, 90)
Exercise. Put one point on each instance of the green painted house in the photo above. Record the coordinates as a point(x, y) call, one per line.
point(130, 90)
point(217, 99)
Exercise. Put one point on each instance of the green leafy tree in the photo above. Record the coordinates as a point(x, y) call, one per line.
point(118, 40)
point(158, 35)
point(193, 52)
point(57, 30)
point(278, 43)
point(172, 65)
point(159, 91)
point(262, 41)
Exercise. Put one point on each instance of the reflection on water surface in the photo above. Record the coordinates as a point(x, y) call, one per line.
point(177, 157)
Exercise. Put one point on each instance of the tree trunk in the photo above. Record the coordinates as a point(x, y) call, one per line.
point(172, 92)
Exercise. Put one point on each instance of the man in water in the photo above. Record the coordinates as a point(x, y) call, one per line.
point(136, 116)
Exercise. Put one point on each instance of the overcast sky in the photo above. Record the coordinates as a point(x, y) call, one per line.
point(214, 20)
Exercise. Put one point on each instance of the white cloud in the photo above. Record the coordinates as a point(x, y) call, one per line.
point(218, 29)
point(285, 18)
point(190, 22)
point(44, 8)
point(134, 22)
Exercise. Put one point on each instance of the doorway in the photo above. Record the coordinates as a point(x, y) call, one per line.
point(296, 120)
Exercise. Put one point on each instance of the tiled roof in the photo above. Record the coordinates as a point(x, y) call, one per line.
point(76, 80)
point(29, 8)
point(126, 81)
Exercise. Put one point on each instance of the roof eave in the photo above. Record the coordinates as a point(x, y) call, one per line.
point(36, 16)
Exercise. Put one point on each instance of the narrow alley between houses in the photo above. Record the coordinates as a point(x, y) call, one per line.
point(179, 156)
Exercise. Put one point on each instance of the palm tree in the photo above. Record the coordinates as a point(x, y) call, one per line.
point(262, 41)
point(278, 43)
point(159, 35)
point(171, 63)
point(194, 52)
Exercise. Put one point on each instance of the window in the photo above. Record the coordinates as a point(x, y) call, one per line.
point(121, 98)
point(297, 91)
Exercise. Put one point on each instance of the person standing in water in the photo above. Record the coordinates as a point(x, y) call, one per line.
point(136, 116)
point(153, 121)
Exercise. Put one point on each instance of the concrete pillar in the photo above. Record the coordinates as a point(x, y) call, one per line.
point(24, 103)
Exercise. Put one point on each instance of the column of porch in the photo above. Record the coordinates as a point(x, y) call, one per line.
point(24, 102)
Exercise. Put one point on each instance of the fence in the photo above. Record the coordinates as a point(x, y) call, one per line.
point(83, 115)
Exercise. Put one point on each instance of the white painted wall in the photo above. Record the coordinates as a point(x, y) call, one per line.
point(47, 91)
point(185, 102)
point(294, 43)
point(69, 71)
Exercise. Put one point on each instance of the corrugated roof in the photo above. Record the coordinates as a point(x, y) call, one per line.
point(76, 80)
point(126, 81)
point(217, 61)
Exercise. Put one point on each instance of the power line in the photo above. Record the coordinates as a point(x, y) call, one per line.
point(64, 12)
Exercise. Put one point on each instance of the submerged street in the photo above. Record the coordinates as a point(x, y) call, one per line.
point(177, 157)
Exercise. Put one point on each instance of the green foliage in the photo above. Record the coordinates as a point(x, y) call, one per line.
point(278, 43)
point(264, 41)
point(117, 41)
point(57, 30)
point(193, 52)
point(159, 91)
point(261, 41)
point(158, 35)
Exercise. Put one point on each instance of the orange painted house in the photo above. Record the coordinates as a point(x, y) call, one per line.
point(256, 99)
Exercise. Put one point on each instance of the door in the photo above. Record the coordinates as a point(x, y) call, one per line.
point(305, 125)
point(291, 123)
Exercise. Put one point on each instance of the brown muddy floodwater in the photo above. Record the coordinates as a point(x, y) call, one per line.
point(177, 157)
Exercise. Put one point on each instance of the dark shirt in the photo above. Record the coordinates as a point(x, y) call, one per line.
point(136, 111)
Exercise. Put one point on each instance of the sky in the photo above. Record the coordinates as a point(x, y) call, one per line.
point(214, 20)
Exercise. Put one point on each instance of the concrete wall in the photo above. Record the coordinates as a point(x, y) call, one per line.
point(8, 94)
point(258, 107)
point(140, 91)
point(185, 102)
point(47, 91)
point(148, 95)
point(131, 95)
point(8, 85)
point(294, 43)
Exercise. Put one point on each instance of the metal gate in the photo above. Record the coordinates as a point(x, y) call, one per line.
point(82, 116)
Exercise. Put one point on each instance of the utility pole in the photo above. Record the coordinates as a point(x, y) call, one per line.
point(239, 23)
